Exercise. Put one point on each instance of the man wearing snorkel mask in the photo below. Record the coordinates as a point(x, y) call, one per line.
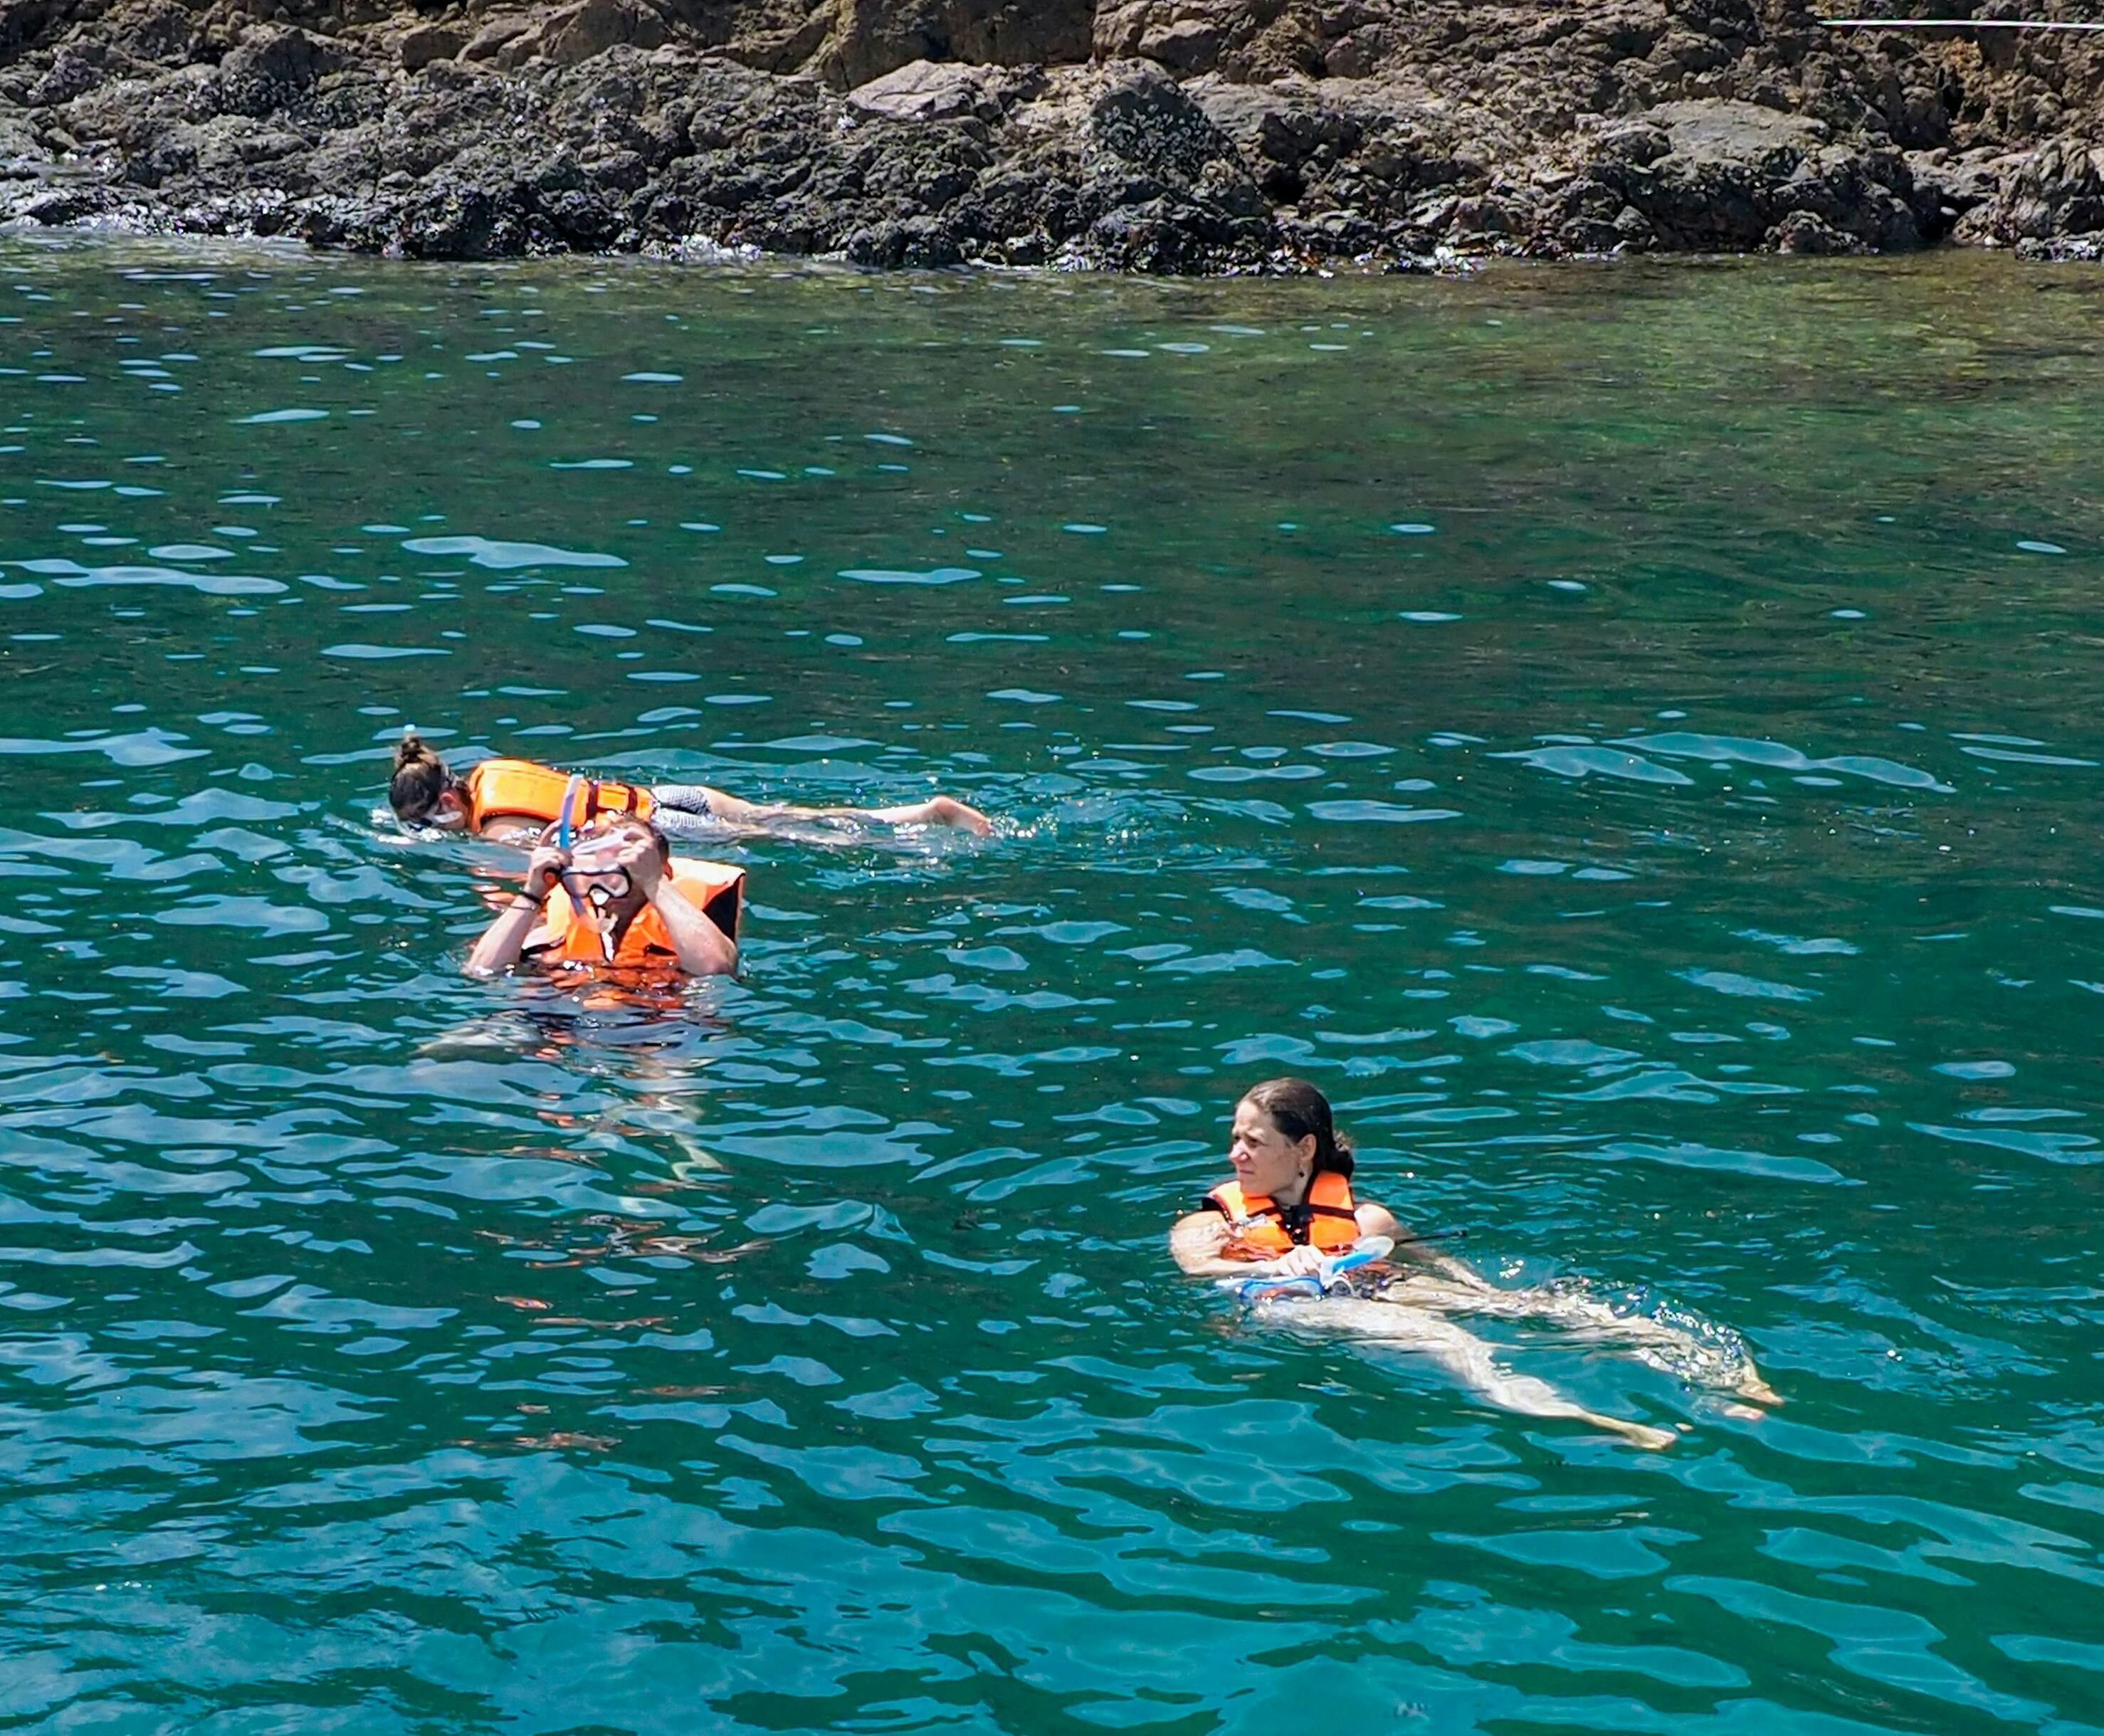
point(617, 896)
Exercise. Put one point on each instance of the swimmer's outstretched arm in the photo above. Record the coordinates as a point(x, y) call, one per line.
point(938, 810)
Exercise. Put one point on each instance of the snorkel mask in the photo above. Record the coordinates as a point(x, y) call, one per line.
point(595, 880)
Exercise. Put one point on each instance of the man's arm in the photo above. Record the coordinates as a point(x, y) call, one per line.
point(504, 940)
point(938, 810)
point(704, 949)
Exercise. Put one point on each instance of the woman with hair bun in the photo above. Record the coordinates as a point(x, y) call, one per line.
point(1290, 1207)
point(504, 797)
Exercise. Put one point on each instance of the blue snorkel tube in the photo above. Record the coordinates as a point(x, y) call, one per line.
point(1319, 1283)
point(563, 833)
point(562, 818)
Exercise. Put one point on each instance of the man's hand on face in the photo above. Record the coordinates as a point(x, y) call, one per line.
point(646, 868)
point(544, 867)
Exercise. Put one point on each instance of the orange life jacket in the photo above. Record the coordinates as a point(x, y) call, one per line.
point(531, 794)
point(1263, 1228)
point(715, 889)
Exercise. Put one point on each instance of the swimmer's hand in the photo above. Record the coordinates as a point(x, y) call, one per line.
point(1295, 1262)
point(947, 810)
point(645, 867)
point(544, 867)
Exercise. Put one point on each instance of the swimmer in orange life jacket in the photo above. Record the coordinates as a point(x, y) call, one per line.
point(618, 897)
point(503, 797)
point(1290, 1202)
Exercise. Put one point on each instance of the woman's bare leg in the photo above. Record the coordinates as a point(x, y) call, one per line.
point(1466, 1358)
point(1671, 1349)
point(731, 810)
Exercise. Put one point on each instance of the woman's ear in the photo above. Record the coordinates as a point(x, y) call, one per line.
point(1303, 1153)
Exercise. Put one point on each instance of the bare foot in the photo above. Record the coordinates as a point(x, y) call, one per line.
point(1638, 1433)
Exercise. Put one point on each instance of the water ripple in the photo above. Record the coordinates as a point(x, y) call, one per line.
point(389, 1351)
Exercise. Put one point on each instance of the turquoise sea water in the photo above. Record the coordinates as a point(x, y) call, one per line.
point(1630, 735)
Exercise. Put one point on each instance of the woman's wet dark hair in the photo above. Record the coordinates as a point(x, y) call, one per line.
point(420, 779)
point(1297, 1109)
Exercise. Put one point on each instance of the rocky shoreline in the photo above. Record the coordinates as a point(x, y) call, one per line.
point(1161, 136)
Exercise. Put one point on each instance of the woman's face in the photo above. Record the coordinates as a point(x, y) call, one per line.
point(1265, 1160)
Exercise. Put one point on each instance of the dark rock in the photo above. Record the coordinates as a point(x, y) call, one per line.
point(75, 70)
point(1735, 177)
point(872, 37)
point(919, 241)
point(158, 33)
point(922, 91)
point(1804, 232)
point(64, 205)
point(271, 68)
point(1956, 184)
point(492, 37)
point(1145, 119)
point(1186, 35)
point(1151, 134)
point(452, 220)
point(1640, 142)
point(2065, 249)
point(426, 43)
point(578, 32)
point(2052, 194)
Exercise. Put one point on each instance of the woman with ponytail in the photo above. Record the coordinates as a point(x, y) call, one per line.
point(1289, 1204)
point(502, 797)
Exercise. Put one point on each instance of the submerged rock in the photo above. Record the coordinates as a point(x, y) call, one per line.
point(1184, 136)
